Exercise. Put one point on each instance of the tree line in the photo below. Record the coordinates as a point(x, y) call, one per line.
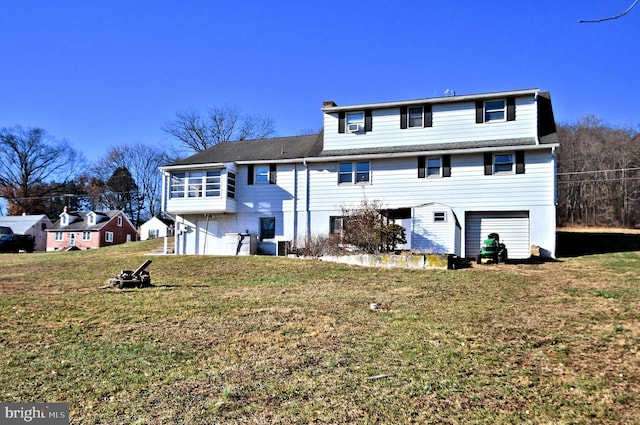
point(598, 169)
point(40, 174)
point(598, 175)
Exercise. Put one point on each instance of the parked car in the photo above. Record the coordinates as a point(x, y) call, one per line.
point(4, 230)
point(15, 243)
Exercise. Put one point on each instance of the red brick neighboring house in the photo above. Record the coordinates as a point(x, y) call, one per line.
point(90, 229)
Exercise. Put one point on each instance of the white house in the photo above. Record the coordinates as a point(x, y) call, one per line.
point(34, 225)
point(449, 169)
point(156, 227)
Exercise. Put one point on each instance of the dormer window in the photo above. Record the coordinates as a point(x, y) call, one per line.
point(64, 219)
point(415, 117)
point(494, 110)
point(92, 219)
point(355, 122)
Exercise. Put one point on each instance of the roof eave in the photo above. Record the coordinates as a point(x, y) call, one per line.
point(432, 100)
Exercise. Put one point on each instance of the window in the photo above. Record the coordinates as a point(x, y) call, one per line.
point(212, 182)
point(336, 224)
point(195, 184)
point(345, 175)
point(494, 110)
point(503, 163)
point(92, 218)
point(231, 184)
point(355, 121)
point(177, 185)
point(415, 116)
point(358, 172)
point(438, 166)
point(439, 216)
point(362, 172)
point(262, 174)
point(108, 236)
point(267, 228)
point(119, 221)
point(433, 167)
point(86, 236)
point(59, 236)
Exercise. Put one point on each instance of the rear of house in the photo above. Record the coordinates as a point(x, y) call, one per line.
point(450, 170)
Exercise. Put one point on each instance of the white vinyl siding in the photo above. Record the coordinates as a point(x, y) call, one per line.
point(452, 122)
point(397, 185)
point(429, 235)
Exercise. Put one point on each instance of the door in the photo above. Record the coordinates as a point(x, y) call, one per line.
point(72, 239)
point(512, 226)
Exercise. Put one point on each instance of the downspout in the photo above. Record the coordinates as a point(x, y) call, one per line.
point(537, 135)
point(307, 200)
point(206, 236)
point(295, 204)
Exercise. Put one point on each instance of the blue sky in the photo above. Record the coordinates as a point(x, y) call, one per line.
point(107, 73)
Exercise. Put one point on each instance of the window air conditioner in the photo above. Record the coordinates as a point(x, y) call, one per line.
point(353, 128)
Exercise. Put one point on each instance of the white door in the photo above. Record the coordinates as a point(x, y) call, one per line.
point(206, 237)
point(512, 226)
point(72, 239)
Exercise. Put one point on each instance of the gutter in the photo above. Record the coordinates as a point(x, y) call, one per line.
point(432, 101)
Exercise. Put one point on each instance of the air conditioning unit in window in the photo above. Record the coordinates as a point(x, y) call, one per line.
point(353, 128)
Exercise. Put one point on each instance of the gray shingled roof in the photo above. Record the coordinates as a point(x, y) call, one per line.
point(432, 147)
point(279, 148)
point(81, 222)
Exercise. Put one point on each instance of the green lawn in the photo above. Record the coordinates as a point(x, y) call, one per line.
point(264, 340)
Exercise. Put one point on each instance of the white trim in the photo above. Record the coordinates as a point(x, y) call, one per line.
point(433, 100)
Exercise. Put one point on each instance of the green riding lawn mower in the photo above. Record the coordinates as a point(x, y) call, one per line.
point(492, 251)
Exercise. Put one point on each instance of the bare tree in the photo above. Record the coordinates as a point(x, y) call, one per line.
point(598, 174)
point(142, 162)
point(221, 124)
point(33, 167)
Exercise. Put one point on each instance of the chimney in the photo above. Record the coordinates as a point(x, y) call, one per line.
point(328, 104)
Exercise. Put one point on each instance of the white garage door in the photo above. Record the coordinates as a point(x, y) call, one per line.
point(513, 228)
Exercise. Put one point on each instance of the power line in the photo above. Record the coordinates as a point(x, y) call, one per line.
point(619, 15)
point(573, 173)
point(598, 180)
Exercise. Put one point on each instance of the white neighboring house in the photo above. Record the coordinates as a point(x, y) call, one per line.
point(156, 227)
point(487, 161)
point(34, 225)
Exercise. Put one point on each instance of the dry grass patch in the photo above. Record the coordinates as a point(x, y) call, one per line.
point(273, 340)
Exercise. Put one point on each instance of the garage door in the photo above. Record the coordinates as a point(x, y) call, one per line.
point(512, 226)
